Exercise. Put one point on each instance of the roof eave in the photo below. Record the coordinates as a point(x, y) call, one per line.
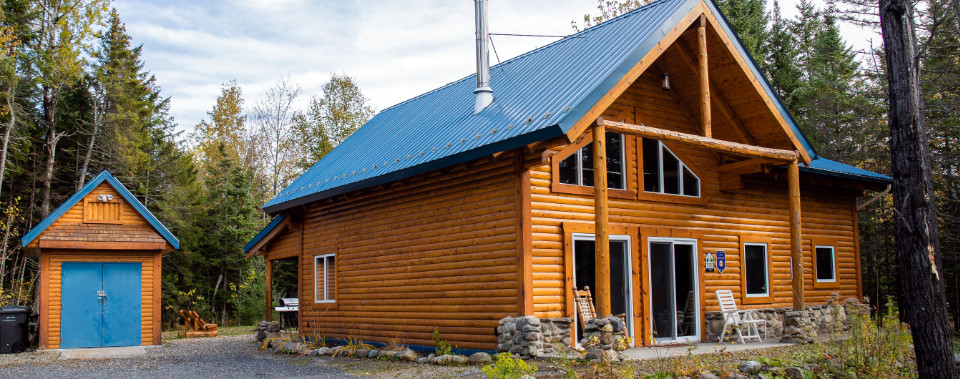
point(466, 156)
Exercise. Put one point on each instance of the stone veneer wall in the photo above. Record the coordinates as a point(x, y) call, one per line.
point(530, 337)
point(787, 325)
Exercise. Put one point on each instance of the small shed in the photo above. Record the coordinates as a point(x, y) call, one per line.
point(100, 262)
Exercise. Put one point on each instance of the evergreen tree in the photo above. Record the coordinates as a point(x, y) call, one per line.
point(214, 246)
point(781, 62)
point(748, 18)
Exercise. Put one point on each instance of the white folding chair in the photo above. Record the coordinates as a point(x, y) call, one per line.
point(745, 322)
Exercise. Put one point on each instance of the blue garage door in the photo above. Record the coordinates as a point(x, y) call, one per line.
point(101, 304)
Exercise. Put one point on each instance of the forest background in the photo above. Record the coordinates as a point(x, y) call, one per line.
point(75, 99)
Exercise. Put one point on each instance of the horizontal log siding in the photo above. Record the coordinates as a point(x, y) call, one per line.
point(283, 246)
point(760, 209)
point(437, 252)
point(150, 301)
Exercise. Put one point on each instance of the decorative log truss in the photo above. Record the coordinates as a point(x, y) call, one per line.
point(756, 157)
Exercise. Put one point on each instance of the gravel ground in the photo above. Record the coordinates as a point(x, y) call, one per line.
point(220, 357)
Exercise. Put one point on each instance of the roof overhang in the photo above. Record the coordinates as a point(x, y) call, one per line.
point(269, 232)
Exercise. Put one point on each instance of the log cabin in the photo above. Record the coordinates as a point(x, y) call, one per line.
point(653, 131)
point(100, 267)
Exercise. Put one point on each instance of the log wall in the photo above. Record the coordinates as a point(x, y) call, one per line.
point(437, 251)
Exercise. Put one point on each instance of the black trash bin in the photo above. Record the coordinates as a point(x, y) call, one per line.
point(13, 329)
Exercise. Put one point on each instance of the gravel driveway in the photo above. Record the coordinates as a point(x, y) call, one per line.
point(220, 357)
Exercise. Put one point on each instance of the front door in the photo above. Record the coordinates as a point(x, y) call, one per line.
point(584, 271)
point(674, 291)
point(100, 304)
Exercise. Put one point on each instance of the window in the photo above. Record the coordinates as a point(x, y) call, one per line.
point(826, 270)
point(664, 173)
point(325, 281)
point(577, 169)
point(755, 270)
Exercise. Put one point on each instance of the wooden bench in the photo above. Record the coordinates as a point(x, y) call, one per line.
point(200, 328)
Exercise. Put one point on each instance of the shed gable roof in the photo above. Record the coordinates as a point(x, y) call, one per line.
point(104, 176)
point(538, 95)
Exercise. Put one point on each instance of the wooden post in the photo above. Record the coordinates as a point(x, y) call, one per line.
point(705, 122)
point(602, 257)
point(796, 244)
point(268, 309)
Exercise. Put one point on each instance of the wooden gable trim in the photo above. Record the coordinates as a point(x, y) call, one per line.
point(728, 42)
point(280, 228)
point(638, 69)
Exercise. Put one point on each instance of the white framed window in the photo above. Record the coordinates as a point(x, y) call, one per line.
point(664, 172)
point(825, 261)
point(577, 169)
point(755, 272)
point(325, 281)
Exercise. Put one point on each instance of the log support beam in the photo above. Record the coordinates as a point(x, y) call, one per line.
point(686, 56)
point(602, 212)
point(705, 122)
point(268, 306)
point(727, 147)
point(796, 244)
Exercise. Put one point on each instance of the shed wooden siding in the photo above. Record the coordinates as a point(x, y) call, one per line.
point(437, 251)
point(150, 302)
point(759, 210)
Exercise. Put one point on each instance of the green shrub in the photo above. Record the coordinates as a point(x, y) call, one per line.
point(874, 348)
point(506, 366)
point(443, 348)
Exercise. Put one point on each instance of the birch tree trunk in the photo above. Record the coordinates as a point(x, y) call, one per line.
point(915, 227)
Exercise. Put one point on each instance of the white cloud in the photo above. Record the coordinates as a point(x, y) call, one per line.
point(396, 50)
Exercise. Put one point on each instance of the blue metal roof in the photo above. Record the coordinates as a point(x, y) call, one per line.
point(93, 183)
point(263, 233)
point(825, 166)
point(538, 95)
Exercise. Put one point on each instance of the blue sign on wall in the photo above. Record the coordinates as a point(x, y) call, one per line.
point(721, 260)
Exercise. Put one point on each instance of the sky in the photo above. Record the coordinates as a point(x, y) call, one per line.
point(394, 50)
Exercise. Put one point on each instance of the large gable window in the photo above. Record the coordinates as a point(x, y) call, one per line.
point(577, 169)
point(664, 173)
point(325, 283)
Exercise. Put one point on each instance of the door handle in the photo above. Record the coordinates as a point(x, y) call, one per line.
point(101, 296)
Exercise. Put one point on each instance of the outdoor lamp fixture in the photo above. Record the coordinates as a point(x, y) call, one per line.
point(666, 82)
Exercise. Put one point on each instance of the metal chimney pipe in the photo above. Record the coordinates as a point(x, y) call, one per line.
point(483, 92)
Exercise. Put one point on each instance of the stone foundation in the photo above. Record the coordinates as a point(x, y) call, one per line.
point(267, 330)
point(787, 325)
point(604, 338)
point(531, 337)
